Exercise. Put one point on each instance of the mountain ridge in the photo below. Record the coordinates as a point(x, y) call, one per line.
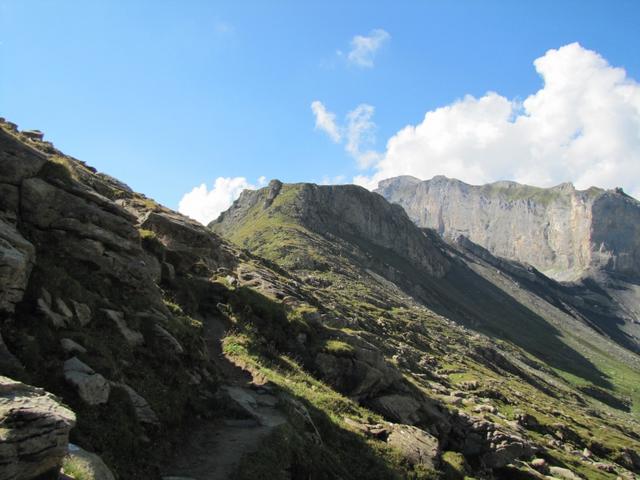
point(564, 232)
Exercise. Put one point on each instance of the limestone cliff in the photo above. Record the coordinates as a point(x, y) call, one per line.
point(562, 231)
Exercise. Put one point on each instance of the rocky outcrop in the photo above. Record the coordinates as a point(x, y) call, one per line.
point(34, 431)
point(561, 231)
point(346, 211)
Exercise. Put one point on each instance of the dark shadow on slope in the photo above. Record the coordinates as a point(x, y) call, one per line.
point(469, 299)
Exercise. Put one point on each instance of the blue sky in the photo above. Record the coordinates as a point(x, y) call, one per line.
point(167, 95)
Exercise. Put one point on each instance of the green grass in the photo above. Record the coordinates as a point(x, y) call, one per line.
point(339, 348)
point(76, 469)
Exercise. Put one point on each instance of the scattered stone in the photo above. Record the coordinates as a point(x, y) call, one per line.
point(69, 346)
point(33, 134)
point(34, 431)
point(92, 387)
point(526, 420)
point(144, 413)
point(57, 320)
point(132, 337)
point(485, 409)
point(83, 312)
point(63, 309)
point(540, 464)
point(167, 339)
point(470, 385)
point(605, 467)
point(563, 473)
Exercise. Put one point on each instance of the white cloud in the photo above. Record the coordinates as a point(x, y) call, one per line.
point(361, 134)
point(205, 205)
point(364, 48)
point(582, 126)
point(326, 121)
point(358, 131)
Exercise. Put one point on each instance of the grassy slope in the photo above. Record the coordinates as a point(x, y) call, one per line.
point(374, 311)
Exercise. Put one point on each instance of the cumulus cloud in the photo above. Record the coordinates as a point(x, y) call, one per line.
point(358, 131)
point(205, 205)
point(326, 121)
point(583, 126)
point(364, 48)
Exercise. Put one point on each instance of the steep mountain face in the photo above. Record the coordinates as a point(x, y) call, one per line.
point(344, 211)
point(315, 333)
point(482, 341)
point(561, 231)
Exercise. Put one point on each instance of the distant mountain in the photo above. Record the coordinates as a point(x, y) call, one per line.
point(563, 232)
point(556, 342)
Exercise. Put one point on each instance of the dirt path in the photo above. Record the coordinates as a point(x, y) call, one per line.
point(214, 449)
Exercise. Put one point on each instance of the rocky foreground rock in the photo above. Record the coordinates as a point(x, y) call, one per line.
point(34, 431)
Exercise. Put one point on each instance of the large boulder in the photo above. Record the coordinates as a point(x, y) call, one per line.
point(92, 387)
point(416, 446)
point(34, 431)
point(360, 372)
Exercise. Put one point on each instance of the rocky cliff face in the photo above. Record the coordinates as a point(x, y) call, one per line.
point(561, 231)
point(345, 211)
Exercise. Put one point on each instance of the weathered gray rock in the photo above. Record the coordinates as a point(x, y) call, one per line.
point(399, 408)
point(166, 339)
point(144, 413)
point(33, 134)
point(561, 231)
point(16, 261)
point(563, 473)
point(18, 161)
point(83, 312)
point(63, 309)
point(34, 431)
point(90, 463)
point(44, 307)
point(132, 337)
point(92, 387)
point(71, 347)
point(417, 446)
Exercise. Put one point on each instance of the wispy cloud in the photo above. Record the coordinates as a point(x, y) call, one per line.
point(361, 135)
point(364, 47)
point(326, 121)
point(358, 131)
